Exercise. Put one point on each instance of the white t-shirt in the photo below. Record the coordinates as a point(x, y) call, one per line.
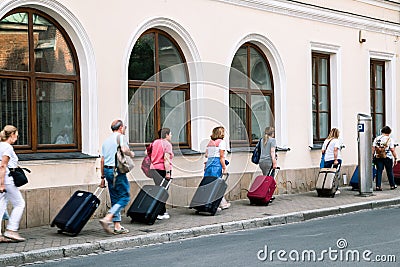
point(213, 151)
point(384, 140)
point(335, 143)
point(7, 150)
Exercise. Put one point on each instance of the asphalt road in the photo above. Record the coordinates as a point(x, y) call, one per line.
point(367, 238)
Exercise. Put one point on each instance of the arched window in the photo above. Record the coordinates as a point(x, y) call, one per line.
point(251, 95)
point(158, 89)
point(39, 82)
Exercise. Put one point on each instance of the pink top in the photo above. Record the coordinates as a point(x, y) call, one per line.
point(160, 147)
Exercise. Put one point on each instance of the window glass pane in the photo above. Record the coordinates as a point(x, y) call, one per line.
point(55, 112)
point(173, 114)
point(14, 107)
point(238, 75)
point(379, 77)
point(314, 120)
point(171, 68)
point(14, 42)
point(372, 99)
point(237, 117)
point(323, 98)
point(323, 125)
point(141, 115)
point(378, 123)
point(314, 98)
point(314, 73)
point(379, 101)
point(261, 115)
point(260, 78)
point(52, 54)
point(141, 61)
point(323, 71)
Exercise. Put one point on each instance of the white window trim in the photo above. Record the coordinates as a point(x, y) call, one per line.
point(279, 78)
point(335, 81)
point(87, 65)
point(390, 86)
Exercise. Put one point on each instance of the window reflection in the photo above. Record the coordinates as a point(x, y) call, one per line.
point(14, 43)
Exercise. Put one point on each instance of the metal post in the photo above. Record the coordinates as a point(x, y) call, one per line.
point(365, 154)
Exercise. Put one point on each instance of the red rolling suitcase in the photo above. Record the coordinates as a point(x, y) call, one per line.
point(262, 189)
point(77, 211)
point(396, 173)
point(148, 203)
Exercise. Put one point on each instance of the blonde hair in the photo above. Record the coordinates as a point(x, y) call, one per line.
point(333, 134)
point(218, 133)
point(268, 132)
point(7, 131)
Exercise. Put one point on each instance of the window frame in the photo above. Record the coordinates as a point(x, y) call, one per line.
point(32, 76)
point(249, 91)
point(159, 86)
point(373, 90)
point(315, 84)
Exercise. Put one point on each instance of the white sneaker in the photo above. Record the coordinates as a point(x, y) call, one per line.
point(337, 192)
point(165, 216)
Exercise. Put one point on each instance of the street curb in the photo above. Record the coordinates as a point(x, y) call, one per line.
point(174, 235)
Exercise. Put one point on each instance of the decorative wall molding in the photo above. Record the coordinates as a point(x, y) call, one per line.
point(309, 12)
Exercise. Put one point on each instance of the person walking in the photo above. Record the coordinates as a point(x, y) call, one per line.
point(331, 148)
point(8, 190)
point(268, 159)
point(216, 158)
point(118, 186)
point(385, 156)
point(161, 163)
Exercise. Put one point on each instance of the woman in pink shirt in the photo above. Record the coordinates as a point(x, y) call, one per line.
point(161, 162)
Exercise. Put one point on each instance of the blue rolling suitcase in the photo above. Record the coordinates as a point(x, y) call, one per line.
point(209, 194)
point(148, 203)
point(354, 178)
point(77, 211)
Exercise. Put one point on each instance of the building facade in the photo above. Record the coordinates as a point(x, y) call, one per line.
point(68, 70)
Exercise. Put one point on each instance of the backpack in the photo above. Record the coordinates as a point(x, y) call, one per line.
point(380, 149)
point(255, 158)
point(147, 161)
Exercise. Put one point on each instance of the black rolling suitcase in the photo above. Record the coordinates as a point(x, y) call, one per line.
point(148, 203)
point(209, 194)
point(77, 211)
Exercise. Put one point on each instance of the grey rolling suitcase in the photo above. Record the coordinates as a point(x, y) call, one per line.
point(327, 182)
point(209, 194)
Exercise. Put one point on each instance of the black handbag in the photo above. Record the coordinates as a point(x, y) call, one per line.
point(19, 176)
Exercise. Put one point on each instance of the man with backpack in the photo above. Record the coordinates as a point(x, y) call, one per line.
point(385, 156)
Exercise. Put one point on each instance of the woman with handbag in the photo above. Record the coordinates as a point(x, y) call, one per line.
point(8, 190)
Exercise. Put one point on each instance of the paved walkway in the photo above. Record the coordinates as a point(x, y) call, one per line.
point(45, 243)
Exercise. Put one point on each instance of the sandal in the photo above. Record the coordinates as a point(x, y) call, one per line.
point(393, 187)
point(378, 188)
point(123, 230)
point(13, 236)
point(106, 224)
point(4, 239)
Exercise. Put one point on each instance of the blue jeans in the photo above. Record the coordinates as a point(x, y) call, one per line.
point(386, 163)
point(329, 163)
point(119, 193)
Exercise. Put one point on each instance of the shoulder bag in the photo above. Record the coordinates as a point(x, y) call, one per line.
point(147, 161)
point(19, 176)
point(123, 163)
point(322, 162)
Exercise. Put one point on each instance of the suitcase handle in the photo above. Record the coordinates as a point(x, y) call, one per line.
point(96, 192)
point(276, 171)
point(169, 182)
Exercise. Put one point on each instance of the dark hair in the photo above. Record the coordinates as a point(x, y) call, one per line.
point(386, 130)
point(115, 125)
point(164, 132)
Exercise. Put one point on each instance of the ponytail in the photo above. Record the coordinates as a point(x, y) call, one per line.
point(269, 131)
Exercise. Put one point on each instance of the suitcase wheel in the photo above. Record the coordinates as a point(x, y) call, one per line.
point(197, 212)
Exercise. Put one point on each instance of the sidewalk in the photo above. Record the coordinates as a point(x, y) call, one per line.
point(45, 243)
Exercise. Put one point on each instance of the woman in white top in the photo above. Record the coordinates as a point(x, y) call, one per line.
point(216, 153)
point(331, 149)
point(8, 190)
